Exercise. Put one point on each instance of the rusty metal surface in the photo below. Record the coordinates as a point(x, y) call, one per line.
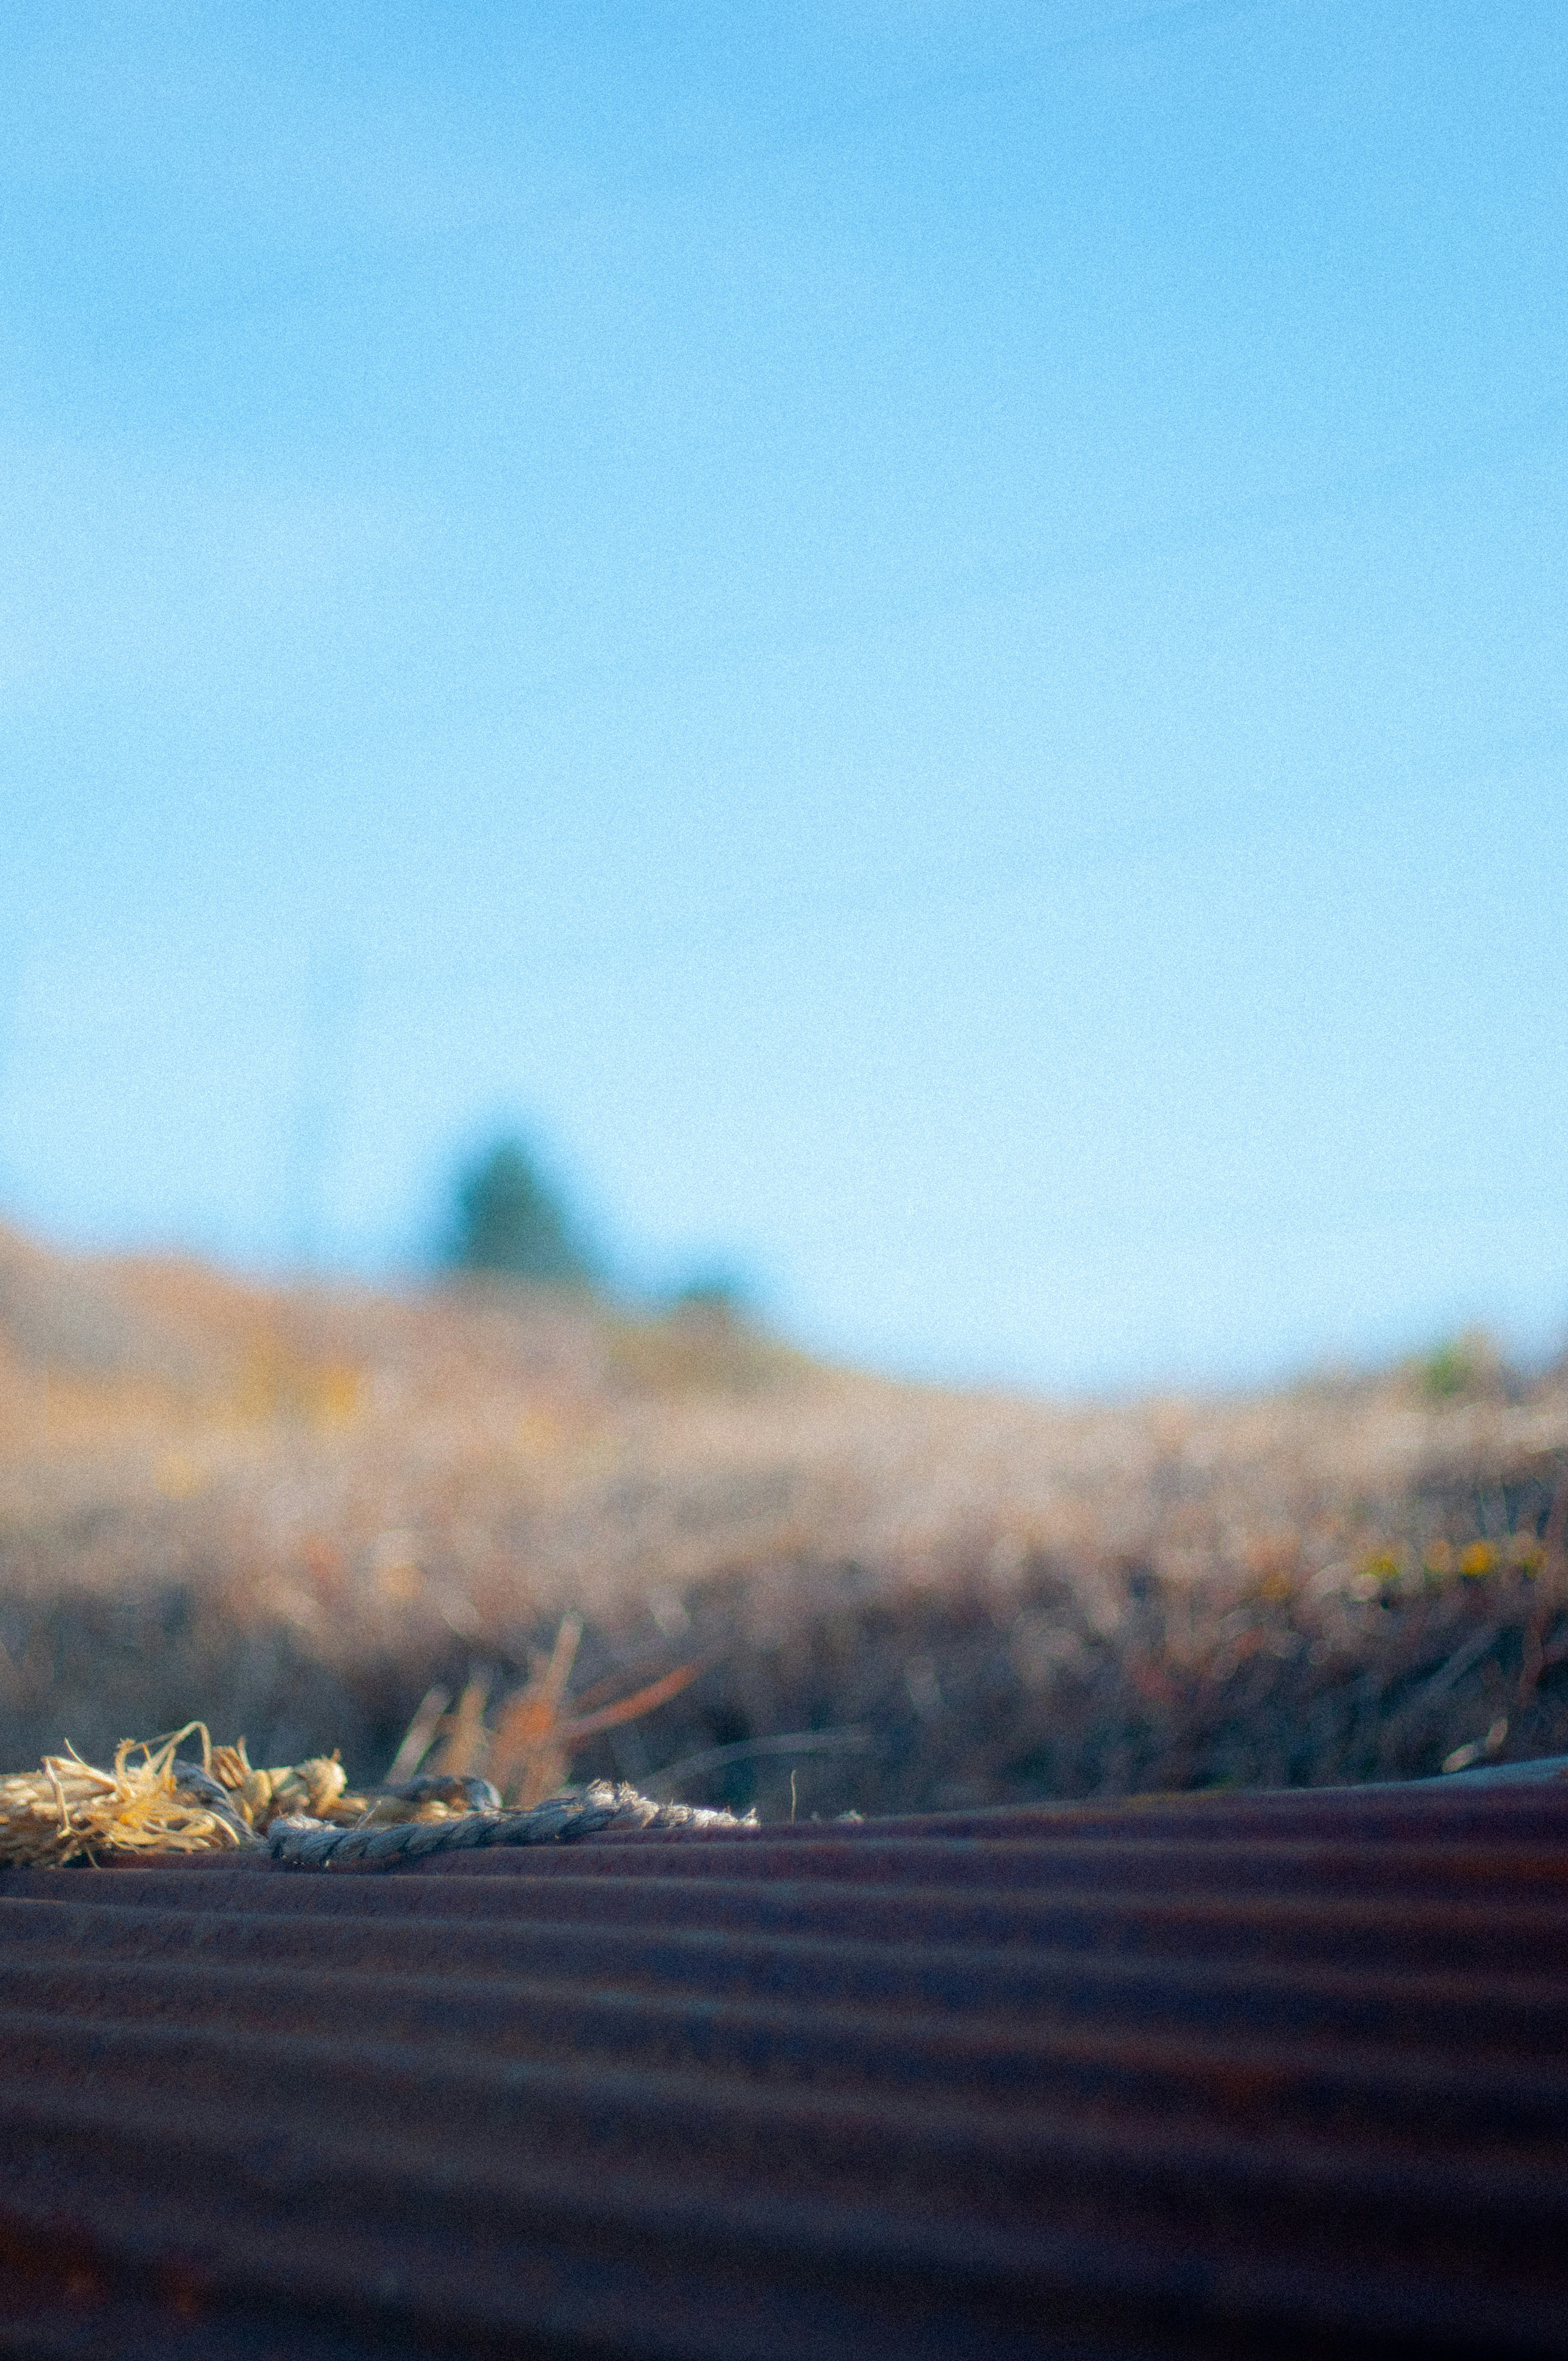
point(1194, 2076)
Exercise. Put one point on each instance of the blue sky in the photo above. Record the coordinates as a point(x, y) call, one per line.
point(929, 638)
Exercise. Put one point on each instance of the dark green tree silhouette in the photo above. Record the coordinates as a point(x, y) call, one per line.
point(511, 1221)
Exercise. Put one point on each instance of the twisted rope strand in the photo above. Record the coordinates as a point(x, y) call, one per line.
point(299, 1842)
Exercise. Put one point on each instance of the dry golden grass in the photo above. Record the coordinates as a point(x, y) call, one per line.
point(294, 1511)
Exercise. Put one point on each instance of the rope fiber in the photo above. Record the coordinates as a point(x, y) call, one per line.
point(298, 1841)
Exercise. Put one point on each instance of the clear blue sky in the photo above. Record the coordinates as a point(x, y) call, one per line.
point(929, 637)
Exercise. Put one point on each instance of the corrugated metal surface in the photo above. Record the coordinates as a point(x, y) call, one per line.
point(1279, 2075)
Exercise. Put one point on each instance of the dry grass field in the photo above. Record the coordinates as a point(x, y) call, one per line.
point(293, 1511)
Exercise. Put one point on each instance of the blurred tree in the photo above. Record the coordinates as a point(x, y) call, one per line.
point(1461, 1366)
point(511, 1221)
point(714, 1292)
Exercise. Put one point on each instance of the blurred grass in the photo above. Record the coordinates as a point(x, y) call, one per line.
point(292, 1511)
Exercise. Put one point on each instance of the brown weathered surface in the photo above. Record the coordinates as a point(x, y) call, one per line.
point(1261, 2074)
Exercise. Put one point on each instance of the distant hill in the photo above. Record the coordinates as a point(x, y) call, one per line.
point(292, 1508)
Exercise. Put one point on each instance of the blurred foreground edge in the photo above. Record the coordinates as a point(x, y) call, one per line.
point(1280, 2073)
